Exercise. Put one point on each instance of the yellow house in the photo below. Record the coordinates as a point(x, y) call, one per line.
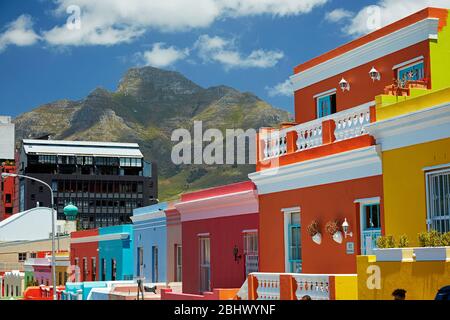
point(414, 135)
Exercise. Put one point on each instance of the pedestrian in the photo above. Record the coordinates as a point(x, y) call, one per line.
point(399, 294)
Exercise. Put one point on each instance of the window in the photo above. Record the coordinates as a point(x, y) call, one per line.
point(94, 268)
point(438, 200)
point(411, 72)
point(113, 269)
point(205, 263)
point(155, 275)
point(178, 263)
point(8, 198)
point(326, 105)
point(85, 269)
point(103, 269)
point(22, 256)
point(370, 224)
point(251, 252)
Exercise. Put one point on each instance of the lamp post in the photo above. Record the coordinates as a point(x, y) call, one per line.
point(14, 175)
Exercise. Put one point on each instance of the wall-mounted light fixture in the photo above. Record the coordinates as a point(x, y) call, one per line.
point(345, 227)
point(344, 85)
point(236, 254)
point(375, 74)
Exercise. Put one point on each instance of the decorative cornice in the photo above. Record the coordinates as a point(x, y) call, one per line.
point(398, 40)
point(239, 203)
point(350, 165)
point(105, 237)
point(148, 216)
point(413, 128)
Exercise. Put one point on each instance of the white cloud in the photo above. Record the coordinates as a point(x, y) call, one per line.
point(19, 32)
point(387, 11)
point(161, 56)
point(338, 15)
point(282, 89)
point(108, 22)
point(217, 49)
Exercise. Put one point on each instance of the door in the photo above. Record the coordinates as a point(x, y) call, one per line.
point(140, 266)
point(371, 227)
point(205, 264)
point(294, 247)
point(155, 276)
point(178, 263)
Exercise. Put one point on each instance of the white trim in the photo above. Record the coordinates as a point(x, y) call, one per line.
point(105, 237)
point(200, 235)
point(414, 128)
point(149, 216)
point(393, 42)
point(324, 94)
point(407, 63)
point(250, 231)
point(374, 200)
point(286, 241)
point(349, 165)
point(438, 167)
point(291, 210)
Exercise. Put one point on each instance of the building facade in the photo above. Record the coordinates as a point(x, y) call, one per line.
point(105, 180)
point(115, 247)
point(150, 243)
point(84, 255)
point(219, 237)
point(324, 171)
point(174, 244)
point(8, 194)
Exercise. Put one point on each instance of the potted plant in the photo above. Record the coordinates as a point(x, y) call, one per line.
point(388, 250)
point(313, 231)
point(332, 228)
point(434, 246)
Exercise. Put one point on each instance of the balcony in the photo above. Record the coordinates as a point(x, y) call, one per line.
point(332, 134)
point(295, 286)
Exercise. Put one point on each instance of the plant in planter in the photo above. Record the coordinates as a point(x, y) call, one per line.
point(332, 228)
point(403, 241)
point(313, 231)
point(434, 246)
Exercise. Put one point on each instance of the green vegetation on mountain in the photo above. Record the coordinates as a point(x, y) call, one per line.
point(147, 106)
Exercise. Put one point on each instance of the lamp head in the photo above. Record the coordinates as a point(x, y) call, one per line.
point(374, 74)
point(6, 175)
point(345, 225)
point(344, 85)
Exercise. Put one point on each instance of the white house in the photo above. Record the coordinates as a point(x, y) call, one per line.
point(14, 282)
point(34, 224)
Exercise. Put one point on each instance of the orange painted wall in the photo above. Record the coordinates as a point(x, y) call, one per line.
point(363, 89)
point(324, 203)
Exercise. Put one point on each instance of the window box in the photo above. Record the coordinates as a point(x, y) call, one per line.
point(394, 254)
point(432, 254)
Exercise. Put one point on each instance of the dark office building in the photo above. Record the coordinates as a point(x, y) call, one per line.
point(105, 180)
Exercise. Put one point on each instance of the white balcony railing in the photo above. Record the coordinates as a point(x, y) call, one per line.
point(268, 286)
point(349, 124)
point(315, 286)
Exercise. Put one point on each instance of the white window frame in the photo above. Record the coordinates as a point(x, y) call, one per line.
point(362, 203)
point(286, 215)
point(445, 170)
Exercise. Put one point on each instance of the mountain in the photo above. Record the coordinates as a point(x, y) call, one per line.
point(147, 106)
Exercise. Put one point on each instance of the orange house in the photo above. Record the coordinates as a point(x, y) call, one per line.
point(319, 179)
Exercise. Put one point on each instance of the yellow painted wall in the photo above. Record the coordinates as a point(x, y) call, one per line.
point(346, 287)
point(421, 280)
point(440, 62)
point(404, 186)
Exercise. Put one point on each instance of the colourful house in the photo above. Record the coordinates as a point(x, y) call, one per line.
point(150, 243)
point(219, 237)
point(84, 251)
point(174, 244)
point(116, 253)
point(326, 168)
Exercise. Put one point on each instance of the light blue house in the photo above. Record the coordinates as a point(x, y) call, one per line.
point(116, 253)
point(150, 243)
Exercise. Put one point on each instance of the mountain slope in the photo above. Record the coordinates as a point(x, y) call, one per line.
point(147, 106)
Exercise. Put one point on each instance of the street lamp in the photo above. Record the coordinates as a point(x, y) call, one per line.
point(14, 175)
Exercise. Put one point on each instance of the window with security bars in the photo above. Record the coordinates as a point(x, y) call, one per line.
point(438, 200)
point(251, 252)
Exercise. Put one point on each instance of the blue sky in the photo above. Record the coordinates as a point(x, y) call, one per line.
point(251, 45)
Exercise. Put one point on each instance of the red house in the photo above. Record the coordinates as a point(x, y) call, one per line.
point(219, 237)
point(84, 255)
